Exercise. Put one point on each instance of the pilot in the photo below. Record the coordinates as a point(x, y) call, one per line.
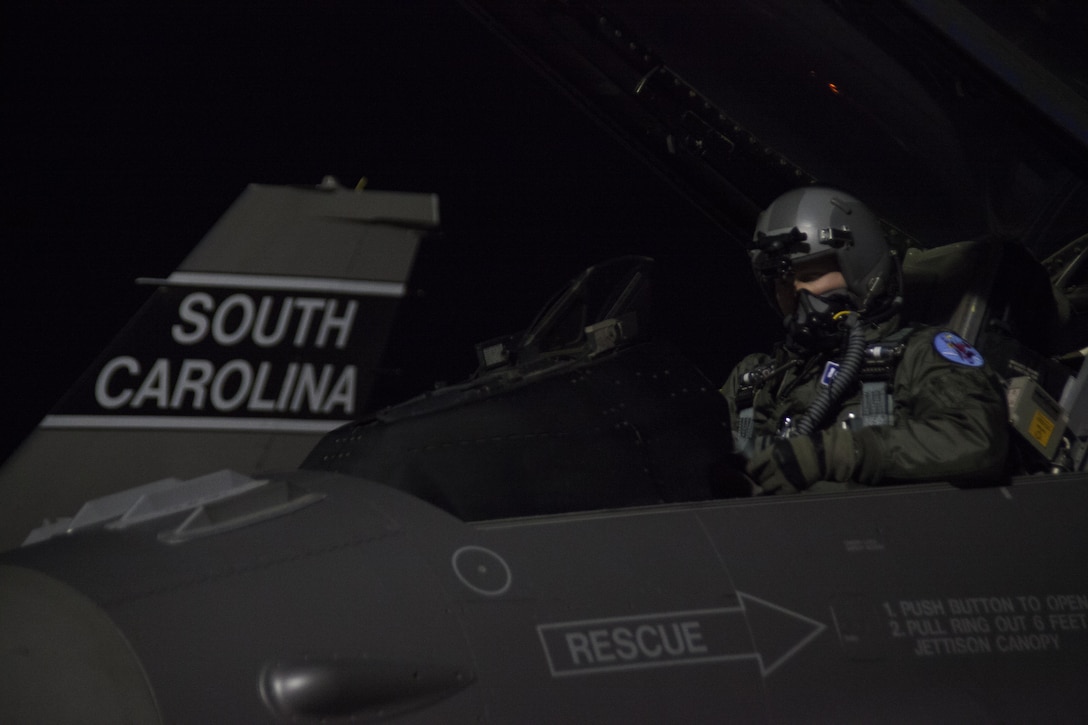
point(853, 397)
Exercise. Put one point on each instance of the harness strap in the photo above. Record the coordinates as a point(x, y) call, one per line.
point(877, 404)
point(744, 434)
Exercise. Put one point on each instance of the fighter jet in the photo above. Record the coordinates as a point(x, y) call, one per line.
point(566, 535)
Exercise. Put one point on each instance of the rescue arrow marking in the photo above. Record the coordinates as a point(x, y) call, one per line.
point(778, 628)
point(665, 639)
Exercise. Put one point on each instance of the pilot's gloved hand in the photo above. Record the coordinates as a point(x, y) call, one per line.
point(778, 469)
point(793, 464)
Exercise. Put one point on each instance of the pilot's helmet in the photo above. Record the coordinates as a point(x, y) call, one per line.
point(813, 224)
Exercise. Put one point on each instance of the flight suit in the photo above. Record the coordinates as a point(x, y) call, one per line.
point(947, 415)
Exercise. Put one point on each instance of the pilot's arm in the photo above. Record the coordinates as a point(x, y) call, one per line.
point(950, 425)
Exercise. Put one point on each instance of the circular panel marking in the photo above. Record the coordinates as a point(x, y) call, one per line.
point(481, 570)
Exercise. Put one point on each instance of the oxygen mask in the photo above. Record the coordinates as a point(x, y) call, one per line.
point(814, 300)
point(818, 322)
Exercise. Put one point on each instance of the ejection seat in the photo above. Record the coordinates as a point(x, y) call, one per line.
point(1016, 311)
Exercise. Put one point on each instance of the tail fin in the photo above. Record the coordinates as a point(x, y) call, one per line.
point(266, 337)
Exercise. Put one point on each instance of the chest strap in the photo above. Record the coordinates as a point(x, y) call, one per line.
point(744, 434)
point(877, 403)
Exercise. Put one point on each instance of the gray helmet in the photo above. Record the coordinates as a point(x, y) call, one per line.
point(813, 222)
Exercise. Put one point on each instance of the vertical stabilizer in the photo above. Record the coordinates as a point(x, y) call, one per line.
point(266, 337)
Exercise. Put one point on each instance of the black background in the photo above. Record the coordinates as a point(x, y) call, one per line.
point(130, 127)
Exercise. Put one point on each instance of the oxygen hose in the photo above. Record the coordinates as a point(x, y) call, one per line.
point(844, 378)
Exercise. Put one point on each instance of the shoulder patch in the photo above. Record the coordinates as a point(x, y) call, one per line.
point(955, 349)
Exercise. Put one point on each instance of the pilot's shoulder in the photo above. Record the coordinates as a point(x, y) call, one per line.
point(943, 347)
point(748, 363)
point(939, 354)
point(752, 362)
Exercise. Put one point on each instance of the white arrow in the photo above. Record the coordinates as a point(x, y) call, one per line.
point(755, 629)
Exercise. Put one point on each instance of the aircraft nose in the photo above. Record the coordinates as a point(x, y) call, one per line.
point(62, 659)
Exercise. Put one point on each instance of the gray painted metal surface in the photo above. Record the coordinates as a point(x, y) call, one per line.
point(894, 605)
point(326, 597)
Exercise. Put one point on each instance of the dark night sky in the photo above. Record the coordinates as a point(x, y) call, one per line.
point(130, 127)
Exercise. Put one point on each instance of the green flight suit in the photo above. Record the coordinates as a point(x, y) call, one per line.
point(949, 419)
